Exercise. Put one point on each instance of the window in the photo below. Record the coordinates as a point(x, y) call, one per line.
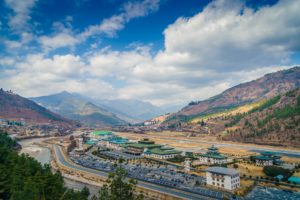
point(222, 185)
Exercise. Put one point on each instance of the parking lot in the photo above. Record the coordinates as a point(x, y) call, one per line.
point(262, 193)
point(165, 175)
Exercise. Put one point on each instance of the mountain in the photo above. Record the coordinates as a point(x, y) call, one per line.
point(15, 107)
point(275, 121)
point(131, 110)
point(78, 108)
point(135, 109)
point(267, 86)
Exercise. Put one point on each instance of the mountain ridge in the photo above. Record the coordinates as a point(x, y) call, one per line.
point(16, 107)
point(265, 87)
point(77, 108)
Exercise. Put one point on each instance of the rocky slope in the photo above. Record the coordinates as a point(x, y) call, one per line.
point(275, 121)
point(77, 108)
point(265, 87)
point(15, 107)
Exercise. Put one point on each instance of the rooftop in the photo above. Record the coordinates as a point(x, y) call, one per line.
point(294, 179)
point(142, 146)
point(222, 170)
point(101, 133)
point(163, 152)
point(146, 141)
point(263, 158)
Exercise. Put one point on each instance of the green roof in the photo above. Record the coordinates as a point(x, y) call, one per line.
point(263, 158)
point(143, 146)
point(146, 141)
point(101, 133)
point(90, 142)
point(294, 179)
point(163, 152)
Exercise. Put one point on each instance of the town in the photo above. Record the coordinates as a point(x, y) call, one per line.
point(208, 173)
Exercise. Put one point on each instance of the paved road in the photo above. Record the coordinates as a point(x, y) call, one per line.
point(173, 192)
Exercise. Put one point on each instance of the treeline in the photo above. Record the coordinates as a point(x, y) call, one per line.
point(266, 104)
point(24, 178)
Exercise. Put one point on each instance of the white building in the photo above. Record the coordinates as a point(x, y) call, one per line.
point(223, 178)
point(149, 123)
point(187, 164)
point(161, 153)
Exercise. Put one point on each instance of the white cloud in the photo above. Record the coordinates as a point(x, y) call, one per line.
point(58, 40)
point(115, 23)
point(21, 9)
point(225, 44)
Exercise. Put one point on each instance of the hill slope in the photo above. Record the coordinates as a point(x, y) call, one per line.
point(77, 108)
point(265, 87)
point(15, 107)
point(275, 121)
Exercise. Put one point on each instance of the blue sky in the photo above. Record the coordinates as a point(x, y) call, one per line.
point(162, 51)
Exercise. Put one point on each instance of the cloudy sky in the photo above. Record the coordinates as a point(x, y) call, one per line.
point(161, 51)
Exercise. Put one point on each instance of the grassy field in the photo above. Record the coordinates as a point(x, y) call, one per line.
point(234, 111)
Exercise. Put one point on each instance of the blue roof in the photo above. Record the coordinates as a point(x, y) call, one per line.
point(294, 179)
point(90, 142)
point(279, 176)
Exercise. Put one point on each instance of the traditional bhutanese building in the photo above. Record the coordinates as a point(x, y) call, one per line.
point(141, 146)
point(161, 153)
point(267, 159)
point(222, 177)
point(212, 156)
point(114, 142)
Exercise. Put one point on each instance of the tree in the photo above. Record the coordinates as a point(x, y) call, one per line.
point(275, 171)
point(117, 187)
point(22, 177)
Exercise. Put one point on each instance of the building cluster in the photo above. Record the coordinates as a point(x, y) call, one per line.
point(216, 175)
point(267, 159)
point(144, 147)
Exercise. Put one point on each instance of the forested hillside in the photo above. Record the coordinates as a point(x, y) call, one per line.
point(23, 178)
point(275, 121)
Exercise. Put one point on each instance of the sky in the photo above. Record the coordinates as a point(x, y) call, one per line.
point(166, 52)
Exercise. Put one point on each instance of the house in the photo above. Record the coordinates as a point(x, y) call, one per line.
point(212, 156)
point(222, 177)
point(161, 153)
point(267, 158)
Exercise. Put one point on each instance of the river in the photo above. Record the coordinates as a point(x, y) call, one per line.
point(43, 155)
point(31, 147)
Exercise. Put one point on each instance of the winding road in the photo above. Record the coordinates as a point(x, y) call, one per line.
point(63, 160)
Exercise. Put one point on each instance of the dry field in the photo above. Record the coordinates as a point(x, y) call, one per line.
point(249, 170)
point(181, 141)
